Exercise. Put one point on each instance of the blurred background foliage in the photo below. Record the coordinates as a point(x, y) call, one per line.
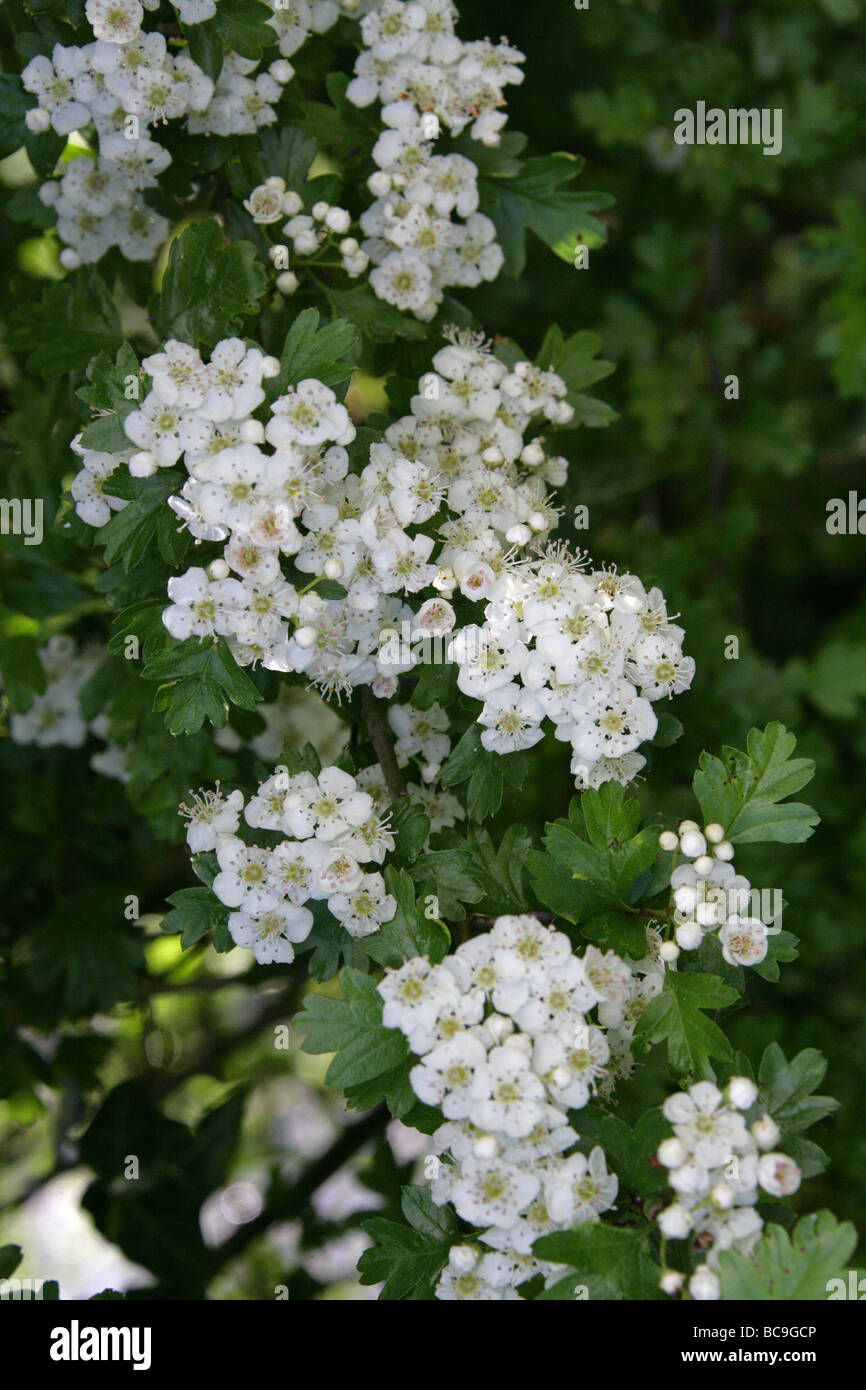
point(719, 261)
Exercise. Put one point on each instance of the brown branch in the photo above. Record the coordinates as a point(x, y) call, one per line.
point(380, 737)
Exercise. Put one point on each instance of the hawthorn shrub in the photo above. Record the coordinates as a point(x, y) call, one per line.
point(357, 656)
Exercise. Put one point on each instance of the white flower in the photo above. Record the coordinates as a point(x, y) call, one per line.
point(492, 1192)
point(364, 910)
point(272, 931)
point(744, 941)
point(211, 817)
point(115, 21)
point(581, 1188)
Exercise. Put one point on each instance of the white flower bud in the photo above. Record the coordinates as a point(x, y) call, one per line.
point(714, 832)
point(338, 219)
point(671, 1152)
point(688, 825)
point(281, 71)
point(765, 1132)
point(518, 535)
point(671, 1281)
point(689, 936)
point(561, 1077)
point(693, 844)
point(379, 183)
point(142, 464)
point(462, 1258)
point(252, 431)
point(37, 120)
point(288, 282)
point(742, 1092)
point(218, 569)
point(704, 1285)
point(333, 569)
point(668, 841)
point(348, 246)
point(532, 455)
point(486, 1147)
point(500, 1026)
point(675, 1222)
point(321, 210)
point(69, 259)
point(430, 772)
point(306, 636)
point(703, 865)
point(724, 850)
point(669, 952)
point(686, 898)
point(722, 1195)
point(536, 521)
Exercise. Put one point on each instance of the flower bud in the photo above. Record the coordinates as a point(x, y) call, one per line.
point(742, 1092)
point(462, 1258)
point(765, 1132)
point(668, 841)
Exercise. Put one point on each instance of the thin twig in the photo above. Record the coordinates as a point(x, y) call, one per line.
point(380, 737)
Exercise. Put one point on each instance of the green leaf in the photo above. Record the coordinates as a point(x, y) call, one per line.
point(786, 1091)
point(596, 859)
point(447, 875)
point(790, 1268)
point(366, 1052)
point(10, 1259)
point(14, 102)
point(199, 680)
point(73, 321)
point(409, 1259)
point(410, 828)
point(129, 532)
point(375, 320)
point(612, 1261)
point(629, 1152)
point(501, 872)
point(287, 153)
point(205, 46)
point(22, 671)
point(195, 912)
point(744, 792)
point(576, 360)
point(208, 285)
point(539, 200)
point(677, 1017)
point(328, 353)
point(243, 26)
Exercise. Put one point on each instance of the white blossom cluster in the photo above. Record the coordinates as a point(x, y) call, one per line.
point(716, 1165)
point(125, 86)
point(710, 896)
point(589, 651)
point(55, 717)
point(507, 1048)
point(331, 830)
point(412, 53)
point(425, 78)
